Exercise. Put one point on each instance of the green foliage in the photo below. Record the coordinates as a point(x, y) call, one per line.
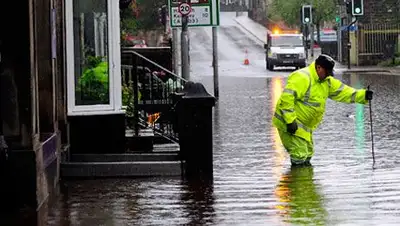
point(93, 84)
point(148, 14)
point(128, 21)
point(128, 98)
point(390, 63)
point(289, 11)
point(141, 15)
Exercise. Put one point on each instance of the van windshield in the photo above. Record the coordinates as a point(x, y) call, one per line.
point(286, 41)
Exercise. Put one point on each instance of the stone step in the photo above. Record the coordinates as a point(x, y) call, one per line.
point(120, 169)
point(126, 157)
point(147, 132)
point(143, 142)
point(169, 147)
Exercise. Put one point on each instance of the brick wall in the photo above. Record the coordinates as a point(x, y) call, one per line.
point(381, 11)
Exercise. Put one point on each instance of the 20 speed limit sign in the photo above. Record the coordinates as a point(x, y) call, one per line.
point(184, 8)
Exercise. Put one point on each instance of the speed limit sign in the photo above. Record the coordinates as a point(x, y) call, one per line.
point(184, 8)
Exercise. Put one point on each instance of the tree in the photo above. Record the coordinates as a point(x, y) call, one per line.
point(289, 11)
point(140, 15)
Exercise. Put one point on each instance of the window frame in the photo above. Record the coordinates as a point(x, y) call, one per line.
point(114, 62)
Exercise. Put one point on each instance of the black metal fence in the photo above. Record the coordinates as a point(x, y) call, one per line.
point(148, 89)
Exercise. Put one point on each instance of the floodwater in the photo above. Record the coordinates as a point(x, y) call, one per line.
point(253, 181)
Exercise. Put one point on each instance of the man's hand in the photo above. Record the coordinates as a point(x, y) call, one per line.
point(292, 127)
point(368, 95)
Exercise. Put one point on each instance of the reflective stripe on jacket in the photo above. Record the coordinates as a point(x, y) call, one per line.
point(304, 99)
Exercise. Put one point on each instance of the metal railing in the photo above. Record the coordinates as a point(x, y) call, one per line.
point(373, 39)
point(147, 94)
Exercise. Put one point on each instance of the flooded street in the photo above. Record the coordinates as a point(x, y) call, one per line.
point(254, 184)
point(253, 181)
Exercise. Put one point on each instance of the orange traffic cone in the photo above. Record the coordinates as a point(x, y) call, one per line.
point(246, 59)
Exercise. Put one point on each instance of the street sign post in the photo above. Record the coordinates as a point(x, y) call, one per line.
point(184, 8)
point(195, 13)
point(203, 13)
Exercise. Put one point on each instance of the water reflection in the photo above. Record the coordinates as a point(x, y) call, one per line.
point(359, 115)
point(198, 197)
point(252, 183)
point(276, 88)
point(300, 200)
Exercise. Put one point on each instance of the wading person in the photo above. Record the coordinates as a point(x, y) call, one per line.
point(301, 106)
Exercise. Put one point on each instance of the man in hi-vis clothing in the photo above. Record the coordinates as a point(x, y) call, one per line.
point(301, 106)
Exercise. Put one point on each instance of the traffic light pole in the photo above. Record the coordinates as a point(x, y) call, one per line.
point(349, 43)
point(312, 40)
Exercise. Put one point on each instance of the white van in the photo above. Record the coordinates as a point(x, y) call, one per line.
point(285, 50)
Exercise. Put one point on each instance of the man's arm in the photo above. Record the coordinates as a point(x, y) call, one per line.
point(345, 94)
point(295, 88)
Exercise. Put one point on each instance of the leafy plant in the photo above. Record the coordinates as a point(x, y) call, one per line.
point(93, 84)
point(390, 62)
point(128, 98)
point(289, 11)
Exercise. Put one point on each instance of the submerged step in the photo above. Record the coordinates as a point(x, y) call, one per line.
point(165, 148)
point(127, 157)
point(121, 169)
point(148, 132)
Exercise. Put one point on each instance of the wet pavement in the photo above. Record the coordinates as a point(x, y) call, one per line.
point(253, 181)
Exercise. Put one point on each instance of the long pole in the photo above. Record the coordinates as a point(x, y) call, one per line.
point(215, 61)
point(175, 50)
point(349, 43)
point(372, 130)
point(185, 48)
point(312, 40)
point(348, 47)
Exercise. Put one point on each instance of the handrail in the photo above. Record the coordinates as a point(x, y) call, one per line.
point(155, 93)
point(154, 63)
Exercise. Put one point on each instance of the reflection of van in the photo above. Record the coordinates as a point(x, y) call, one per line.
point(285, 50)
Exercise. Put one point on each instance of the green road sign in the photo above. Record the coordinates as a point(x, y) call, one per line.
point(337, 19)
point(203, 13)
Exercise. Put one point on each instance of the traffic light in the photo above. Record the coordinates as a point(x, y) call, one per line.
point(306, 14)
point(162, 15)
point(357, 7)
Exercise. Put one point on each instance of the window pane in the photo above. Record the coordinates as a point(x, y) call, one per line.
point(91, 52)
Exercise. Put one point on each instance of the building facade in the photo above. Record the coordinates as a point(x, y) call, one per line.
point(50, 50)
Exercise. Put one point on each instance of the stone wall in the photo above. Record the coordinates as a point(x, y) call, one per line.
point(381, 11)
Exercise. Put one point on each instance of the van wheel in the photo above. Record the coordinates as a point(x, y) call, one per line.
point(270, 67)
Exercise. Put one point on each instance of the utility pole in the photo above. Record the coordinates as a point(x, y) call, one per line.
point(175, 50)
point(312, 40)
point(356, 9)
point(348, 47)
point(185, 46)
point(215, 62)
point(306, 20)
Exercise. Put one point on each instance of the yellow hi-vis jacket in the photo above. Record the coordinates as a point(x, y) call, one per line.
point(304, 99)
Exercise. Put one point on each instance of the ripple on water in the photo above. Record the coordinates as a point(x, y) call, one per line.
point(254, 184)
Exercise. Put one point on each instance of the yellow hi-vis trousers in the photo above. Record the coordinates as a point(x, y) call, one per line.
point(300, 150)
